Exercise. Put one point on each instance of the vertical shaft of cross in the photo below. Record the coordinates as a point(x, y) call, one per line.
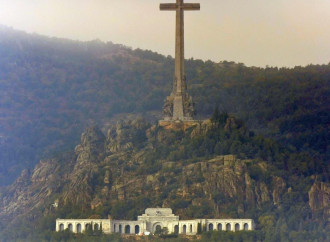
point(179, 47)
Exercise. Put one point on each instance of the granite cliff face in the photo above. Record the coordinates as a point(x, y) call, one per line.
point(319, 198)
point(33, 190)
point(105, 171)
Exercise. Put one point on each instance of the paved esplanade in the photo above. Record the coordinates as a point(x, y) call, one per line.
point(179, 105)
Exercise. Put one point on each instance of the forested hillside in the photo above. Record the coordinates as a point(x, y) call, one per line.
point(51, 89)
point(263, 154)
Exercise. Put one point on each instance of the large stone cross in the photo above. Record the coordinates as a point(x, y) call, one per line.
point(179, 88)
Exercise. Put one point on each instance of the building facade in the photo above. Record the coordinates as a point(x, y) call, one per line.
point(152, 220)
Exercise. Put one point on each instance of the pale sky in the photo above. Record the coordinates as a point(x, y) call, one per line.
point(254, 32)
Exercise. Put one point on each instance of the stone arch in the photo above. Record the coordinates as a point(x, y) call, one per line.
point(228, 227)
point(87, 226)
point(191, 228)
point(70, 227)
point(114, 228)
point(120, 229)
point(96, 227)
point(184, 228)
point(176, 229)
point(210, 227)
point(78, 227)
point(137, 229)
point(127, 229)
point(219, 227)
point(156, 227)
point(61, 227)
point(246, 227)
point(237, 227)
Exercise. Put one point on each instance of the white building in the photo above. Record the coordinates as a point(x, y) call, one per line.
point(153, 219)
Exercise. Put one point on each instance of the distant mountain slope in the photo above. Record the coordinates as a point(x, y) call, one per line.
point(52, 88)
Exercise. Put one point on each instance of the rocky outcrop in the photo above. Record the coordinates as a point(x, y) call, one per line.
point(123, 135)
point(91, 148)
point(201, 129)
point(89, 153)
point(249, 194)
point(262, 193)
point(279, 187)
point(32, 189)
point(78, 180)
point(219, 179)
point(231, 124)
point(69, 175)
point(319, 198)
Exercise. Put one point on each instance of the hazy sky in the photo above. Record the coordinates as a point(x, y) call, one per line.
point(255, 32)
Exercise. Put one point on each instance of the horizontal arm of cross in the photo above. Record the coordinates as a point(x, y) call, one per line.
point(191, 6)
point(174, 6)
point(168, 6)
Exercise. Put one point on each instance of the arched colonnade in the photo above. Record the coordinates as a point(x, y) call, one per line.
point(228, 226)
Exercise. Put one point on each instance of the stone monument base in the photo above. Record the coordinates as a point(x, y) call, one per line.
point(178, 124)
